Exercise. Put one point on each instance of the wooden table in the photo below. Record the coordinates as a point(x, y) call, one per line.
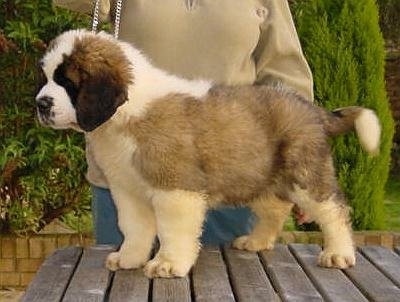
point(288, 273)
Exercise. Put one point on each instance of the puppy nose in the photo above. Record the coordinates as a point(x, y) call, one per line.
point(44, 103)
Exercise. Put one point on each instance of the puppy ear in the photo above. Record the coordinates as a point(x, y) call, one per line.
point(98, 100)
point(100, 69)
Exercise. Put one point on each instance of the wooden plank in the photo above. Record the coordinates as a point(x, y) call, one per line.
point(288, 278)
point(91, 279)
point(171, 290)
point(331, 283)
point(129, 285)
point(385, 260)
point(372, 283)
point(210, 277)
point(53, 276)
point(249, 280)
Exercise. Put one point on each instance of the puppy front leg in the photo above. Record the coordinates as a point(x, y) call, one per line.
point(136, 221)
point(179, 215)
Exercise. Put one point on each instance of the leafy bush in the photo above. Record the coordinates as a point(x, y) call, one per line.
point(42, 170)
point(345, 48)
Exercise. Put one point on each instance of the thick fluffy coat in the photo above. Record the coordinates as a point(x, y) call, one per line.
point(170, 148)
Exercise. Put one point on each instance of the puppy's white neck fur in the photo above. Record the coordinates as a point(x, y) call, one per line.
point(151, 83)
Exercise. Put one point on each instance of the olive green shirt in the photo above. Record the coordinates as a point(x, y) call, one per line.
point(227, 41)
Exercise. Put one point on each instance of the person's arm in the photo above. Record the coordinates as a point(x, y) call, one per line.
point(85, 7)
point(278, 55)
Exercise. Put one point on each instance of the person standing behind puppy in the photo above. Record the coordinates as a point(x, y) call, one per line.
point(226, 41)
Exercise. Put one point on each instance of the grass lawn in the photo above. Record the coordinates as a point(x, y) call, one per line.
point(392, 203)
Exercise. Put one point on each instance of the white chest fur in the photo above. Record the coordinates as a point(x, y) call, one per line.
point(113, 153)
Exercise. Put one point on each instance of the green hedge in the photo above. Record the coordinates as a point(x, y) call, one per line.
point(345, 48)
point(42, 170)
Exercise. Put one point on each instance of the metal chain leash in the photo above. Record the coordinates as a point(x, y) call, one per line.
point(117, 19)
point(95, 15)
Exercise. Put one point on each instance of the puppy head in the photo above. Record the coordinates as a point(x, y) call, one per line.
point(87, 77)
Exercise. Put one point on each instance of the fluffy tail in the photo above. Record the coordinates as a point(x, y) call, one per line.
point(363, 121)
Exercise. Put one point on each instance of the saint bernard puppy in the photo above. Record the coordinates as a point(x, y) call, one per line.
point(171, 148)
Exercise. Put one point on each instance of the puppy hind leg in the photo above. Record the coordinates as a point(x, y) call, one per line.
point(180, 215)
point(271, 213)
point(332, 215)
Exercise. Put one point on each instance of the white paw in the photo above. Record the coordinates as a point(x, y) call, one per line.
point(253, 244)
point(164, 268)
point(118, 260)
point(337, 258)
point(112, 261)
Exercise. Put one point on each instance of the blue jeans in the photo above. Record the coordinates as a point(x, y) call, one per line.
point(221, 225)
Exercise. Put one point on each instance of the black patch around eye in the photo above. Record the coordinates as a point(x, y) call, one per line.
point(69, 86)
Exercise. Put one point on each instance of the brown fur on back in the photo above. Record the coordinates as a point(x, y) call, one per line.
point(234, 144)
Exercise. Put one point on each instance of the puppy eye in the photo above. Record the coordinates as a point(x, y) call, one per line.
point(64, 81)
point(61, 79)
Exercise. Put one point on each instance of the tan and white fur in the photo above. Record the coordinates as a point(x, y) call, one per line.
point(171, 148)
